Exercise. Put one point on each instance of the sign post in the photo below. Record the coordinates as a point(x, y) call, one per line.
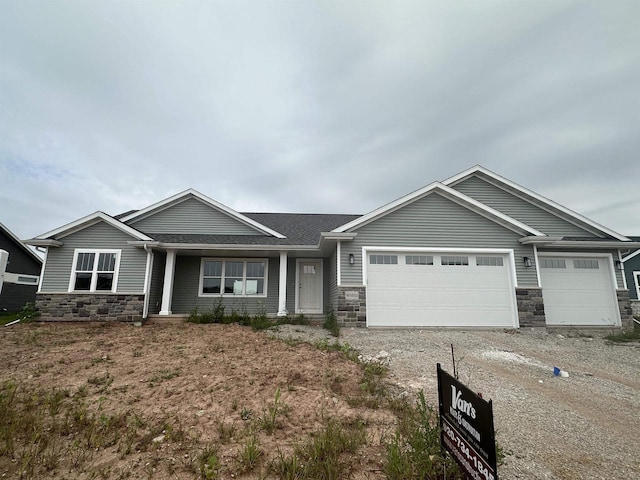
point(466, 428)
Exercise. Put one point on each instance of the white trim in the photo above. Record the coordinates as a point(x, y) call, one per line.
point(44, 263)
point(225, 246)
point(624, 275)
point(636, 279)
point(282, 285)
point(338, 266)
point(456, 178)
point(535, 256)
point(94, 271)
point(147, 283)
point(178, 198)
point(20, 243)
point(631, 255)
point(167, 285)
point(224, 260)
point(297, 295)
point(452, 195)
point(90, 220)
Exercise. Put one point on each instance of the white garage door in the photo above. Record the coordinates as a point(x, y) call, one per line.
point(578, 291)
point(406, 289)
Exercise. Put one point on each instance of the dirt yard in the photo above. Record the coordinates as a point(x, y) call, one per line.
point(222, 401)
point(181, 391)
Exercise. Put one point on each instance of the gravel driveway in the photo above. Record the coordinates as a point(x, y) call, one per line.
point(585, 426)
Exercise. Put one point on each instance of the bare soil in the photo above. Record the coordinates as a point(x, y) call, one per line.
point(194, 386)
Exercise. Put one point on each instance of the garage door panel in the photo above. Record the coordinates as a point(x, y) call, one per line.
point(440, 295)
point(578, 296)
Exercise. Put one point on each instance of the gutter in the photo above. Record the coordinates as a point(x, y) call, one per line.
point(557, 242)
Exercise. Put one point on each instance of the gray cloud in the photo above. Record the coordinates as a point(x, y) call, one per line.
point(325, 106)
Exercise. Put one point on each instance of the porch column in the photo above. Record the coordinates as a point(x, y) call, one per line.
point(167, 287)
point(282, 290)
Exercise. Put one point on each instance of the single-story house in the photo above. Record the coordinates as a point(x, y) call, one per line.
point(631, 263)
point(475, 250)
point(25, 266)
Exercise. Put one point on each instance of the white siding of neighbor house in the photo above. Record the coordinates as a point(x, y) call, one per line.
point(192, 217)
point(436, 222)
point(133, 261)
point(519, 209)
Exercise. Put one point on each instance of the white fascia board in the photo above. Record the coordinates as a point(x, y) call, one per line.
point(559, 243)
point(89, 220)
point(478, 168)
point(20, 243)
point(224, 246)
point(451, 194)
point(631, 255)
point(36, 242)
point(208, 201)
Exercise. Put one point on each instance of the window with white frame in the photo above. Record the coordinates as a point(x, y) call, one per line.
point(586, 263)
point(418, 259)
point(95, 270)
point(489, 261)
point(636, 277)
point(552, 263)
point(383, 259)
point(454, 260)
point(233, 277)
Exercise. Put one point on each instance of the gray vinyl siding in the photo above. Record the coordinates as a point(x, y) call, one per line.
point(187, 282)
point(133, 261)
point(630, 266)
point(157, 280)
point(434, 221)
point(192, 217)
point(519, 209)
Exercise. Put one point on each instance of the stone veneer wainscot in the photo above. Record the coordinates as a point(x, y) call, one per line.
point(352, 306)
point(94, 306)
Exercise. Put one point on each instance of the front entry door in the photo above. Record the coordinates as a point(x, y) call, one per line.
point(309, 291)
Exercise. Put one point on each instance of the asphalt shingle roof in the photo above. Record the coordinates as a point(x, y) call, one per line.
point(299, 228)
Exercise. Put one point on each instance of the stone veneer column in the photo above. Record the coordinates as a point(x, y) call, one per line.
point(530, 307)
point(352, 306)
point(626, 311)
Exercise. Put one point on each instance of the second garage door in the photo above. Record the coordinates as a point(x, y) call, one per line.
point(578, 291)
point(408, 289)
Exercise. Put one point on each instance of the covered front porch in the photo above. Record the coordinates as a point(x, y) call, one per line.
point(275, 282)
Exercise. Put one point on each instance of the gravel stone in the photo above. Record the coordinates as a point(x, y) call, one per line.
point(584, 426)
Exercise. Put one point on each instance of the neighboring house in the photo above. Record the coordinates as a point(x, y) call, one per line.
point(475, 250)
point(22, 261)
point(632, 273)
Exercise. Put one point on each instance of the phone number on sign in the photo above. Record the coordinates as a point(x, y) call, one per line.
point(469, 459)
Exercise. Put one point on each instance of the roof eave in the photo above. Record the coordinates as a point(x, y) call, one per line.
point(557, 242)
point(220, 246)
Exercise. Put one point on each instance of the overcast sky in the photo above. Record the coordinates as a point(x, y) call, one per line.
point(314, 106)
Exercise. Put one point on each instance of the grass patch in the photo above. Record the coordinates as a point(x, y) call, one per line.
point(331, 324)
point(27, 313)
point(632, 335)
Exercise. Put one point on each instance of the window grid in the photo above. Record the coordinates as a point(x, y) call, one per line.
point(383, 259)
point(489, 261)
point(588, 264)
point(454, 260)
point(94, 271)
point(418, 260)
point(552, 263)
point(233, 277)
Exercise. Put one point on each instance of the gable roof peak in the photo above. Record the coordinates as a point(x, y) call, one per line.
point(90, 219)
point(191, 192)
point(452, 181)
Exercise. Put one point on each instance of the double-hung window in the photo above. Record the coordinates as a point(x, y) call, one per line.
point(95, 270)
point(233, 277)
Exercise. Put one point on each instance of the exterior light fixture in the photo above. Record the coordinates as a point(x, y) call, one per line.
point(527, 261)
point(352, 259)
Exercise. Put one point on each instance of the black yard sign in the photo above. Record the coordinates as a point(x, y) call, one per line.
point(466, 428)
